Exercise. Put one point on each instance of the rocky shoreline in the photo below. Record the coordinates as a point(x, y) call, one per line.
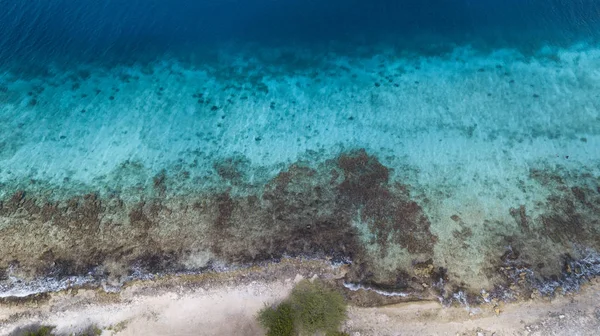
point(50, 306)
point(520, 285)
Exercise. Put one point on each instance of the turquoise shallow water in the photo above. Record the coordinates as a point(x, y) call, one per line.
point(459, 156)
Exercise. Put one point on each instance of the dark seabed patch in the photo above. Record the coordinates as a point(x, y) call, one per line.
point(302, 211)
point(345, 208)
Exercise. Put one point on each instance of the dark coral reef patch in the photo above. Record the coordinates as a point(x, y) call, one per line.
point(302, 211)
point(555, 245)
point(346, 208)
point(309, 211)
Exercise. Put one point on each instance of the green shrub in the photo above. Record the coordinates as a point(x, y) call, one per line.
point(277, 320)
point(317, 307)
point(42, 331)
point(45, 330)
point(34, 329)
point(91, 330)
point(312, 307)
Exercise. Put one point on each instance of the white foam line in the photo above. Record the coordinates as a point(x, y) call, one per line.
point(356, 287)
point(18, 288)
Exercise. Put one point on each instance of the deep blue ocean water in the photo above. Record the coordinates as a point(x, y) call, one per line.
point(119, 31)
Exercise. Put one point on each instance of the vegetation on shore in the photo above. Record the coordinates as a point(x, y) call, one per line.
point(47, 330)
point(312, 307)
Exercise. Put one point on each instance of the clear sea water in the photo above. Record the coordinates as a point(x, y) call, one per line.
point(403, 135)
